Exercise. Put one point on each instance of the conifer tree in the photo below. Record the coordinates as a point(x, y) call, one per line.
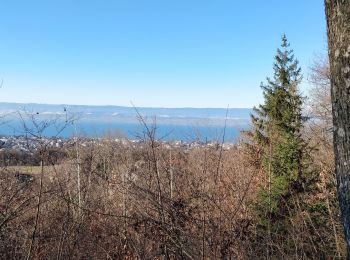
point(277, 131)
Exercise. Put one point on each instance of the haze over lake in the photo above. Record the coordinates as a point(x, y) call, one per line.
point(186, 124)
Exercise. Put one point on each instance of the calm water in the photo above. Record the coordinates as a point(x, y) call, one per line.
point(130, 130)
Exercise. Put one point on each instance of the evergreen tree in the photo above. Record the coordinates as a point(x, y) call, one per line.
point(277, 132)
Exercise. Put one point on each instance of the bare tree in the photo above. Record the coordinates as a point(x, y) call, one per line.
point(338, 28)
point(320, 93)
point(320, 136)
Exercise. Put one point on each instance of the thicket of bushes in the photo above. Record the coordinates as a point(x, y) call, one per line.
point(110, 200)
point(118, 202)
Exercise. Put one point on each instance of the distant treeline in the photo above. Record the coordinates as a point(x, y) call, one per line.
point(12, 157)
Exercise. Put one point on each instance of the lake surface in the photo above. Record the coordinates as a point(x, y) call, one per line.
point(135, 130)
point(185, 124)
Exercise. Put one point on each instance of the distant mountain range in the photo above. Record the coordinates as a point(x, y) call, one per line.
point(210, 116)
point(171, 123)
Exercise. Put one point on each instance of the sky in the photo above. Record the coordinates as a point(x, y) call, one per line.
point(153, 53)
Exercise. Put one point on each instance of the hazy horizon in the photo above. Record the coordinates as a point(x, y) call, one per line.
point(109, 105)
point(95, 121)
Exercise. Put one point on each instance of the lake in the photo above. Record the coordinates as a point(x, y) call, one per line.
point(133, 130)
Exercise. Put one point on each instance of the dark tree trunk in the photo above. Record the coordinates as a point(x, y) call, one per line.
point(338, 28)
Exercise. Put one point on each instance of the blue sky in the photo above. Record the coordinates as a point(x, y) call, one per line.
point(158, 53)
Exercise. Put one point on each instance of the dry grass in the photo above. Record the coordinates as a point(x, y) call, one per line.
point(29, 169)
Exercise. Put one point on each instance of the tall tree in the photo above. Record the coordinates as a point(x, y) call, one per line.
point(338, 29)
point(277, 130)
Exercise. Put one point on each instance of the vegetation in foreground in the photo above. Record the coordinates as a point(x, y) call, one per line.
point(116, 201)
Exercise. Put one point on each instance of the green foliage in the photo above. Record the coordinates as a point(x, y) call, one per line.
point(271, 198)
point(320, 207)
point(278, 123)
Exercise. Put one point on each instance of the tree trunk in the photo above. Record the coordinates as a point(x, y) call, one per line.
point(338, 28)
